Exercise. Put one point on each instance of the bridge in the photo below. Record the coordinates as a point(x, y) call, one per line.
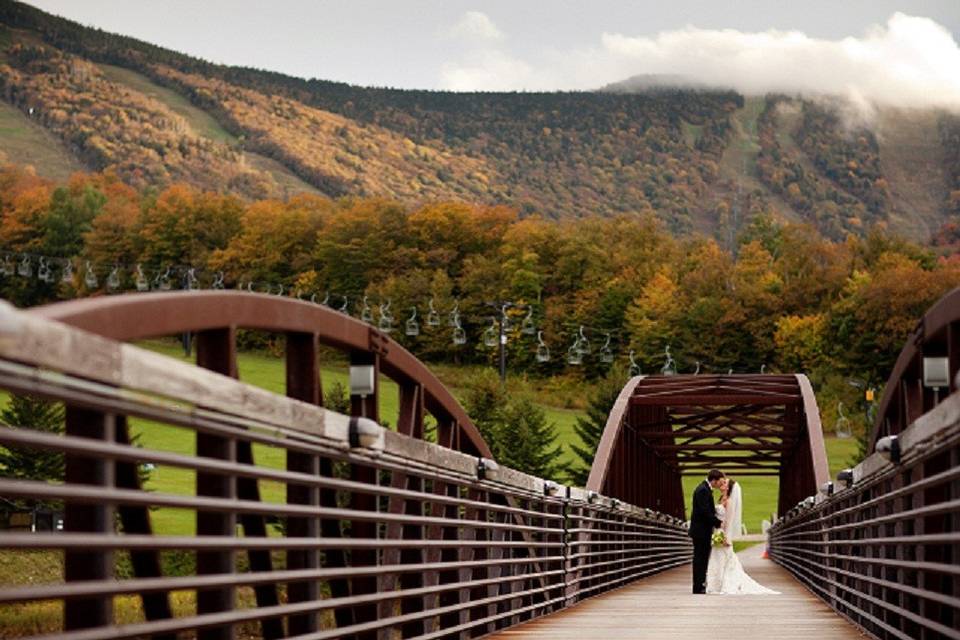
point(310, 523)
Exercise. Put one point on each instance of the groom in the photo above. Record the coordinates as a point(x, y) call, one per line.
point(703, 520)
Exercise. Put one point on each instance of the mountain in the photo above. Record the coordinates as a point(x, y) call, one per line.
point(646, 82)
point(703, 160)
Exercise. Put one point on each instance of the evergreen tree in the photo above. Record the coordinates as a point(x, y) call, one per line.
point(25, 463)
point(337, 398)
point(527, 441)
point(589, 429)
point(485, 403)
point(515, 428)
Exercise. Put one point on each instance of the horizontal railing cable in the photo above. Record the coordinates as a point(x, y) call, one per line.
point(331, 528)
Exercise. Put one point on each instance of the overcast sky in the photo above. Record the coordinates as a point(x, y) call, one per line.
point(862, 47)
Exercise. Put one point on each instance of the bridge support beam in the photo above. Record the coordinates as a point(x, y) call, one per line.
point(662, 428)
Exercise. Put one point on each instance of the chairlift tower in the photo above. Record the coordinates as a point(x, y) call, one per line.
point(501, 324)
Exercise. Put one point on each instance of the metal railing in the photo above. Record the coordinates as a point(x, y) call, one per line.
point(303, 523)
point(882, 544)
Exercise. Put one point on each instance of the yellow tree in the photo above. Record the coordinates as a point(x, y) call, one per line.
point(800, 342)
point(654, 318)
point(275, 243)
point(183, 226)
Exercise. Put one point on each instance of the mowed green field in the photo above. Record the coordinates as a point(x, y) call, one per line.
point(23, 141)
point(760, 494)
point(268, 373)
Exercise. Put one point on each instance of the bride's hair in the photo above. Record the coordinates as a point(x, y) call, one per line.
point(730, 483)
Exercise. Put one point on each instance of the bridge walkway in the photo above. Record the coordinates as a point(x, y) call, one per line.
point(662, 606)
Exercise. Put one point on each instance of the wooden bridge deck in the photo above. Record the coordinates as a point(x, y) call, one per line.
point(662, 607)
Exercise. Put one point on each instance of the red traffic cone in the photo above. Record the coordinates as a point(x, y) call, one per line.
point(766, 554)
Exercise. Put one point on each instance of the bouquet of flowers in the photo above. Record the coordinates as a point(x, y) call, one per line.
point(718, 539)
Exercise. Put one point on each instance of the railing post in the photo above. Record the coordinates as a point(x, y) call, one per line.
point(97, 518)
point(368, 407)
point(216, 350)
point(303, 383)
point(571, 516)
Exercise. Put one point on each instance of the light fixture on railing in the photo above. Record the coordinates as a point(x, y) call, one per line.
point(889, 447)
point(365, 433)
point(592, 497)
point(808, 502)
point(487, 469)
point(827, 488)
point(362, 380)
point(936, 372)
point(550, 488)
point(845, 478)
point(614, 503)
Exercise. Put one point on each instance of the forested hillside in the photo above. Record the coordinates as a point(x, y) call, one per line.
point(699, 159)
point(787, 297)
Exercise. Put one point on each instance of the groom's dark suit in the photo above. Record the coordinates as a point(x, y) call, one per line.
point(703, 519)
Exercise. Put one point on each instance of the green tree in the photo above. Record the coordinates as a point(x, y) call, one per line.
point(337, 398)
point(484, 403)
point(26, 463)
point(527, 442)
point(515, 428)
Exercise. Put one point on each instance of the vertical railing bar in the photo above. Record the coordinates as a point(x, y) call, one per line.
point(83, 613)
point(303, 383)
point(216, 350)
point(136, 520)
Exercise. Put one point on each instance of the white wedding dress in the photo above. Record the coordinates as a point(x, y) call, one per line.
point(725, 574)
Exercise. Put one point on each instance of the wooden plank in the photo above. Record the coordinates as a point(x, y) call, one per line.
point(663, 607)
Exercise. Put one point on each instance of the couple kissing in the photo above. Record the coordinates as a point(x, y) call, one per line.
point(713, 528)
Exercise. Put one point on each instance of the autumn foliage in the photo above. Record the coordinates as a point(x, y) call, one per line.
point(788, 298)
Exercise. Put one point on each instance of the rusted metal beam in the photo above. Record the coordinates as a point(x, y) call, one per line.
point(138, 316)
point(703, 399)
point(96, 564)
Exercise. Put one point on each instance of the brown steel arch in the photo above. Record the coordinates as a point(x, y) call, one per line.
point(905, 398)
point(215, 317)
point(664, 427)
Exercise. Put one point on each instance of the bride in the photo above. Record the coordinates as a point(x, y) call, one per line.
point(725, 574)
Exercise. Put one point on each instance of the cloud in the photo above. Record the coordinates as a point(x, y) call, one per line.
point(474, 26)
point(907, 62)
point(487, 68)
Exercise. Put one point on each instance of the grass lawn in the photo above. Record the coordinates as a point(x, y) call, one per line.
point(760, 494)
point(262, 370)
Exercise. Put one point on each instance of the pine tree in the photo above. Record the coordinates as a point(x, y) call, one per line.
point(485, 403)
point(514, 427)
point(25, 463)
point(589, 429)
point(337, 398)
point(527, 441)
